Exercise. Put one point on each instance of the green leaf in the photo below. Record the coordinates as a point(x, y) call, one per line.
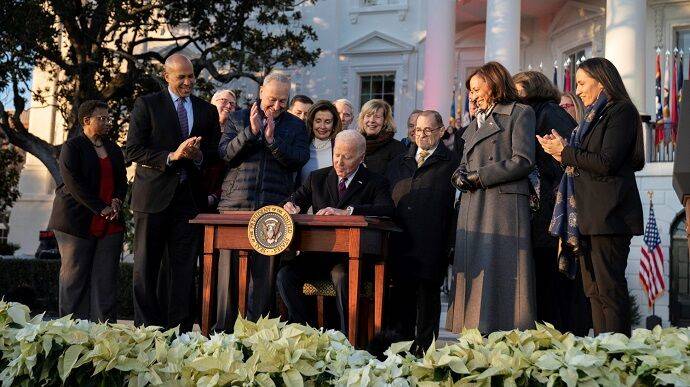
point(68, 360)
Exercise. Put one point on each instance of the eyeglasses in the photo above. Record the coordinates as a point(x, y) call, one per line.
point(566, 105)
point(427, 131)
point(102, 118)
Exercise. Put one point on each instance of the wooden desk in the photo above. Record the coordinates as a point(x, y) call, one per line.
point(355, 235)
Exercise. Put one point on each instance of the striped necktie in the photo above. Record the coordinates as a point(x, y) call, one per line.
point(423, 154)
point(182, 116)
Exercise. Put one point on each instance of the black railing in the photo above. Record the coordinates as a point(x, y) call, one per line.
point(662, 152)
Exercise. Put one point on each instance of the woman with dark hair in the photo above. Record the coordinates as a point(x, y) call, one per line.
point(556, 292)
point(86, 217)
point(376, 124)
point(323, 123)
point(598, 207)
point(494, 273)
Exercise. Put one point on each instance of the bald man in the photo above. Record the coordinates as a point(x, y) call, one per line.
point(172, 136)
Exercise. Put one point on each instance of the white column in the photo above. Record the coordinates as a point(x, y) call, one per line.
point(625, 44)
point(502, 39)
point(439, 54)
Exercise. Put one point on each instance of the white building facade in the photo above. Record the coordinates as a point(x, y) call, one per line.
point(415, 53)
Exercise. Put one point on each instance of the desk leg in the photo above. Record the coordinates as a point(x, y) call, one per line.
point(210, 273)
point(243, 282)
point(354, 271)
point(379, 293)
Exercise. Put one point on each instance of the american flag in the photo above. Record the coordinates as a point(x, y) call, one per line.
point(652, 262)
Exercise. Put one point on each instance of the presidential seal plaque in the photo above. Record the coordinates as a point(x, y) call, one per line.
point(270, 230)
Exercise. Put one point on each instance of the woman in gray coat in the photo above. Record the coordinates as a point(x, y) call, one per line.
point(493, 268)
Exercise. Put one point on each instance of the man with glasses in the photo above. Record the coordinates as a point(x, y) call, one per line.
point(226, 103)
point(411, 124)
point(423, 197)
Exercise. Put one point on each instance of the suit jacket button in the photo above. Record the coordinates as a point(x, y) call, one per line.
point(409, 208)
point(491, 157)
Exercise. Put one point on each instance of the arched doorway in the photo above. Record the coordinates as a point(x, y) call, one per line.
point(680, 274)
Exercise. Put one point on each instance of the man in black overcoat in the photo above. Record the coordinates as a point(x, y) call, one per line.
point(423, 197)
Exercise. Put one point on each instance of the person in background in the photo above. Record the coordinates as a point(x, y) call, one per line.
point(598, 207)
point(172, 136)
point(458, 142)
point(346, 188)
point(424, 198)
point(264, 147)
point(346, 112)
point(299, 106)
point(494, 268)
point(556, 292)
point(573, 105)
point(225, 102)
point(86, 218)
point(323, 124)
point(376, 123)
point(411, 122)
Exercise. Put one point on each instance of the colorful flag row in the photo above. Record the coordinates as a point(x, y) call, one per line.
point(667, 98)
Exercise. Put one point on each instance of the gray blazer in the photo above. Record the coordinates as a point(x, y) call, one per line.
point(502, 156)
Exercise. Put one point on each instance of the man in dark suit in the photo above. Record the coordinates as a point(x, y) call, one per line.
point(172, 136)
point(423, 197)
point(264, 147)
point(346, 188)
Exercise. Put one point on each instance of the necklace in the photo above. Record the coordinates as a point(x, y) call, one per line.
point(320, 144)
point(96, 143)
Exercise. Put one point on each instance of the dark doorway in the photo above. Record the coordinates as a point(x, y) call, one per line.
point(680, 273)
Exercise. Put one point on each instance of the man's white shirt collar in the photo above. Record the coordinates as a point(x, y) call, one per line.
point(348, 179)
point(431, 152)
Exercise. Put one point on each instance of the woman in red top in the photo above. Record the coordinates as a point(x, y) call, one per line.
point(86, 217)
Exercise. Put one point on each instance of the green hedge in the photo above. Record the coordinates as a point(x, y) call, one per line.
point(270, 353)
point(34, 282)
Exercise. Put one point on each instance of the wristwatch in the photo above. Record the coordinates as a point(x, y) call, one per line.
point(349, 210)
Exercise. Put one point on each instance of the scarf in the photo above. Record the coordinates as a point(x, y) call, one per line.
point(482, 115)
point(378, 140)
point(564, 219)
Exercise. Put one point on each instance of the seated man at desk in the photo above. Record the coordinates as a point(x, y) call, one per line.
point(346, 188)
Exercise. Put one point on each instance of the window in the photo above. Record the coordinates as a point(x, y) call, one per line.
point(573, 58)
point(4, 227)
point(377, 86)
point(371, 3)
point(682, 42)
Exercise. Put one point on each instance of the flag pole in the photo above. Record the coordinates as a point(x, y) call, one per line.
point(652, 320)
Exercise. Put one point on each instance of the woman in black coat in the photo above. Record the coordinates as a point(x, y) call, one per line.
point(423, 197)
point(598, 207)
point(376, 124)
point(560, 300)
point(86, 218)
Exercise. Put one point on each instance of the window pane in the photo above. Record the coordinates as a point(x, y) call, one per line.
point(389, 84)
point(366, 84)
point(390, 99)
point(377, 86)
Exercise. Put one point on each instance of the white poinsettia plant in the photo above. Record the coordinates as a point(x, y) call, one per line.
point(34, 351)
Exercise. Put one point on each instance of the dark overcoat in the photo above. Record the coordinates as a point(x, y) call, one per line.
point(494, 270)
point(423, 200)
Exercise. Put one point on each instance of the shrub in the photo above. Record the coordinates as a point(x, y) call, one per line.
point(270, 353)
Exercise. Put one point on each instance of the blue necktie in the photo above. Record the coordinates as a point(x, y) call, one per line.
point(184, 129)
point(182, 116)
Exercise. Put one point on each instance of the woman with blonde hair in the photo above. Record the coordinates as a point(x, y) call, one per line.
point(375, 122)
point(573, 105)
